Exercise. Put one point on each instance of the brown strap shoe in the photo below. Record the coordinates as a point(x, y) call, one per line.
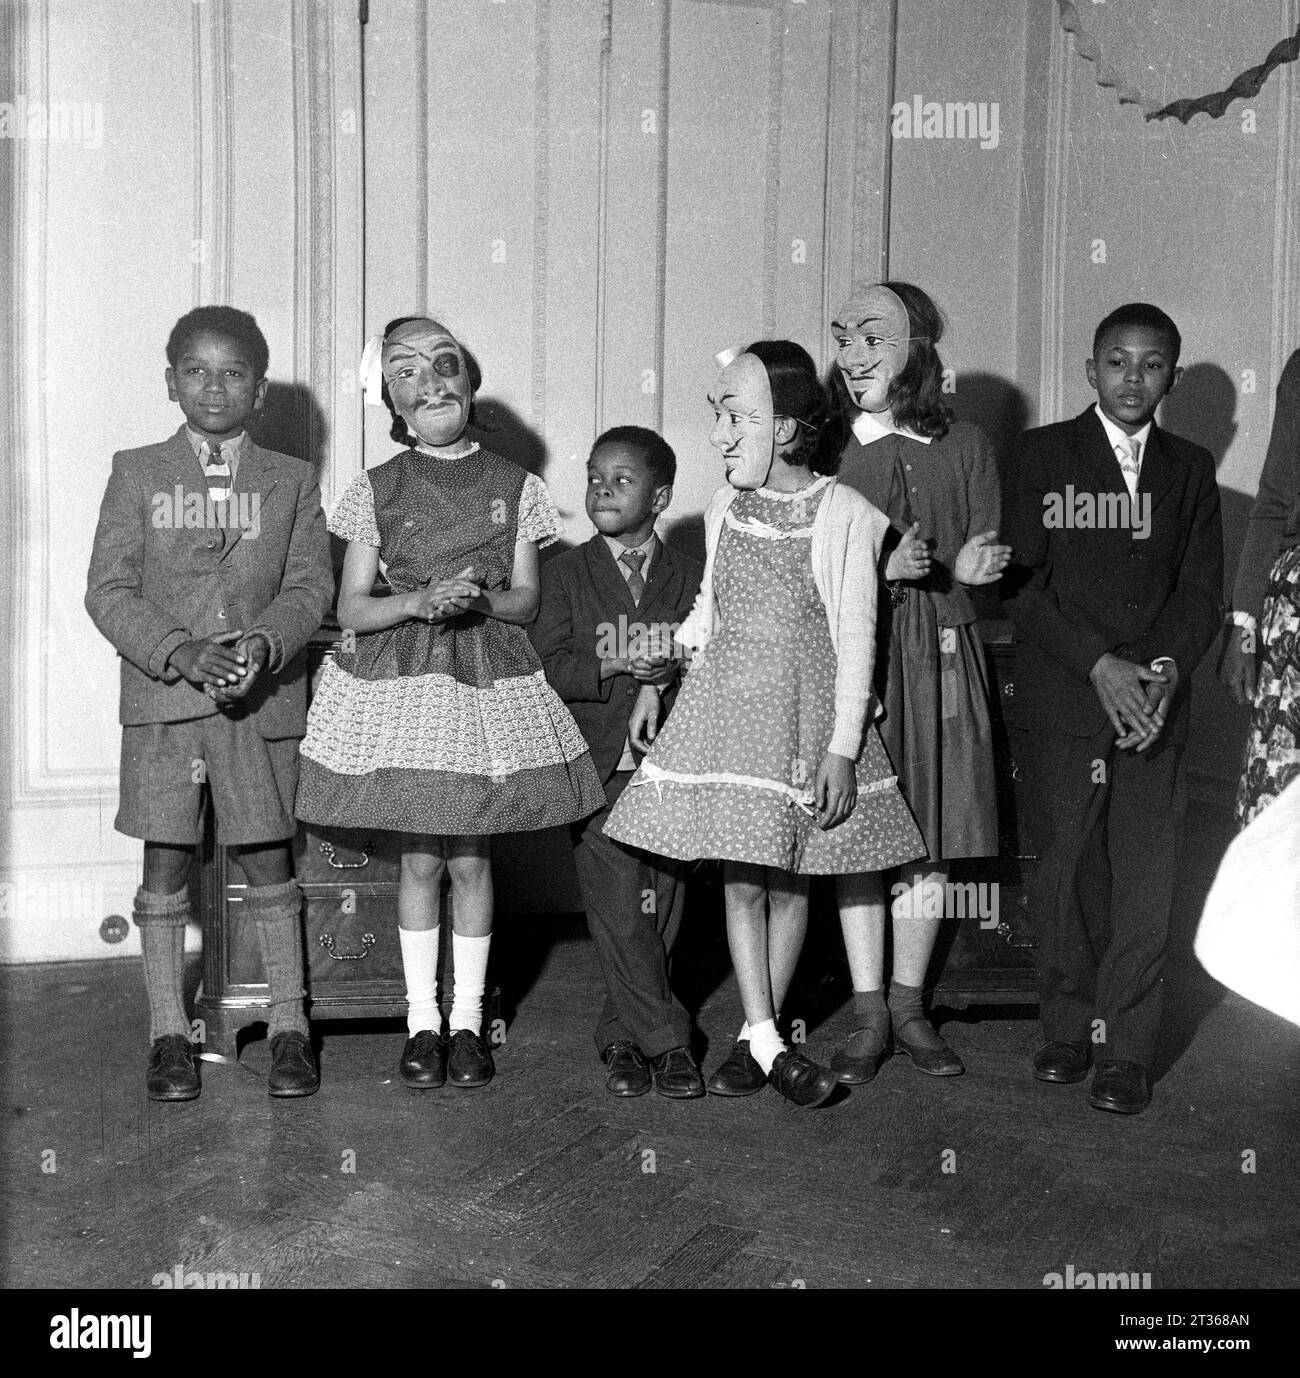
point(739, 1075)
point(802, 1081)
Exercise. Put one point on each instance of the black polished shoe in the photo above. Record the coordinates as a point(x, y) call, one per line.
point(861, 1055)
point(677, 1075)
point(739, 1075)
point(1121, 1087)
point(469, 1063)
point(629, 1073)
point(934, 1062)
point(293, 1066)
point(424, 1060)
point(1064, 1063)
point(172, 1073)
point(802, 1081)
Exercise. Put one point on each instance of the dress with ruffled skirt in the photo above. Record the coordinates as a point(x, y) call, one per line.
point(445, 728)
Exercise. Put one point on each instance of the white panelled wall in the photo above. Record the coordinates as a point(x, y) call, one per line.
point(223, 163)
point(598, 195)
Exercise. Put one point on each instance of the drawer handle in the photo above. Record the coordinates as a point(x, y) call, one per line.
point(326, 940)
point(327, 851)
point(1006, 933)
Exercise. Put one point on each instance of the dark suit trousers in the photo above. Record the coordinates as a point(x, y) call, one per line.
point(632, 944)
point(1103, 888)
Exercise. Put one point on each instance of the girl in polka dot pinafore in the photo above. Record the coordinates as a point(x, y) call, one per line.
point(769, 760)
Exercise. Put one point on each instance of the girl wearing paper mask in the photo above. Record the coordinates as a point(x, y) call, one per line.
point(937, 480)
point(434, 719)
point(769, 760)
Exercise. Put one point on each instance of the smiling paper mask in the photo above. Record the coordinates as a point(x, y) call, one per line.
point(871, 335)
point(428, 381)
point(743, 426)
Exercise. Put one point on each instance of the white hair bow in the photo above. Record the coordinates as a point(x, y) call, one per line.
point(371, 371)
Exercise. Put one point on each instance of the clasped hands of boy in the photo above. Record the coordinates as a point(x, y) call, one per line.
point(1136, 698)
point(224, 665)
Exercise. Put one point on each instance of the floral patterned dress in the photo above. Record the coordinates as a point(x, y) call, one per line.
point(445, 728)
point(1273, 744)
point(731, 774)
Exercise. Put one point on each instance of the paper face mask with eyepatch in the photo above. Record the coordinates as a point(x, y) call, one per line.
point(871, 335)
point(424, 368)
point(744, 427)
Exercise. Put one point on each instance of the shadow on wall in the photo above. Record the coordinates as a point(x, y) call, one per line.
point(685, 535)
point(497, 426)
point(1203, 409)
point(293, 423)
point(1001, 410)
point(994, 404)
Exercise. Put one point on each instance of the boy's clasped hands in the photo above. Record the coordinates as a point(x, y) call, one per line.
point(224, 665)
point(1136, 698)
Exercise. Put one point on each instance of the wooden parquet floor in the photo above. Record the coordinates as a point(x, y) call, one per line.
point(542, 1180)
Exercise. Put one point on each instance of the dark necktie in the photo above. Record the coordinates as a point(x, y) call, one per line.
point(634, 559)
point(217, 469)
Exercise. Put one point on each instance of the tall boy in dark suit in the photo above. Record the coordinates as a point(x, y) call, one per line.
point(1116, 593)
point(210, 570)
point(607, 615)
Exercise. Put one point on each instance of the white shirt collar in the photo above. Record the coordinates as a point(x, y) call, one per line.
point(867, 429)
point(1119, 439)
point(230, 449)
point(617, 548)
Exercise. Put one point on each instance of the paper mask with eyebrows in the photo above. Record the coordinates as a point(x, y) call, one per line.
point(743, 426)
point(871, 336)
point(428, 381)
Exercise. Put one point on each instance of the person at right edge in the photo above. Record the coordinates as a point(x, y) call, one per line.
point(1261, 654)
point(1115, 599)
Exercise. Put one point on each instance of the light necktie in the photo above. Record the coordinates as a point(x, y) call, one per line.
point(634, 559)
point(217, 469)
point(1130, 463)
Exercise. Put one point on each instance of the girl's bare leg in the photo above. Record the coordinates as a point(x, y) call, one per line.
point(469, 859)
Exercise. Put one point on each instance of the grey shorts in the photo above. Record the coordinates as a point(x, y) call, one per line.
point(165, 767)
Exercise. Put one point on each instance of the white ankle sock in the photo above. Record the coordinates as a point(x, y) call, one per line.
point(744, 1032)
point(420, 968)
point(469, 957)
point(765, 1044)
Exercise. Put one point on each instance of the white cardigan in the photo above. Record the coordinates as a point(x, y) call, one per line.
point(848, 533)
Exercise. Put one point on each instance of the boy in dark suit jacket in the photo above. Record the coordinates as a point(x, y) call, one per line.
point(608, 612)
point(1116, 593)
point(210, 570)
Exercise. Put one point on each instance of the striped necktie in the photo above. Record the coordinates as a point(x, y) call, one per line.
point(217, 469)
point(1130, 463)
point(634, 559)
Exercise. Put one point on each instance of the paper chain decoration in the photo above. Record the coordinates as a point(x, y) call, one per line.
point(1246, 85)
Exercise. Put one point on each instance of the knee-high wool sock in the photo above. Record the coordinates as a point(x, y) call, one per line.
point(276, 911)
point(469, 957)
point(161, 920)
point(420, 969)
